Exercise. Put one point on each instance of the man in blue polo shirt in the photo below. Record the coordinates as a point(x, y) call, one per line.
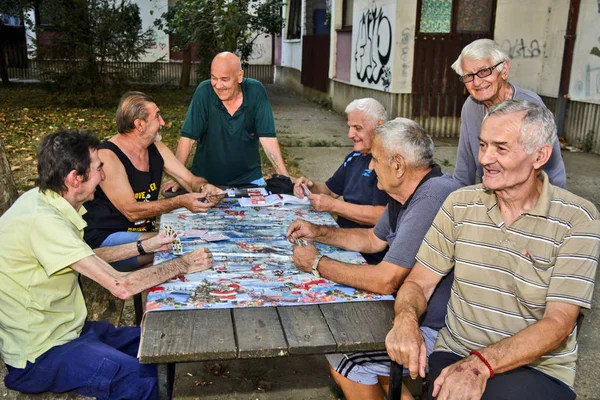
point(228, 116)
point(363, 202)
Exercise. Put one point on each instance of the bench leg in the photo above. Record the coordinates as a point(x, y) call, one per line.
point(166, 378)
point(395, 381)
point(138, 308)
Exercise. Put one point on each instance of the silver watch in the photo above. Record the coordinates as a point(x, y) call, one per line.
point(315, 266)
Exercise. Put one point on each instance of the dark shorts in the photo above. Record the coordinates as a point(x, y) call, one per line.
point(101, 363)
point(520, 383)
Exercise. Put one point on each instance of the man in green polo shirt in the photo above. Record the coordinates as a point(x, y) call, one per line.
point(524, 254)
point(228, 116)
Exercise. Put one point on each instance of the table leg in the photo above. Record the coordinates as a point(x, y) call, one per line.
point(138, 307)
point(166, 378)
point(395, 381)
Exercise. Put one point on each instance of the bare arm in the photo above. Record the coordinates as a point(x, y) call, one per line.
point(184, 148)
point(178, 171)
point(124, 285)
point(384, 278)
point(118, 190)
point(151, 242)
point(526, 346)
point(405, 342)
point(364, 215)
point(357, 239)
point(271, 147)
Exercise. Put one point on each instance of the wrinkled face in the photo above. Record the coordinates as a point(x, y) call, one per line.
point(225, 79)
point(154, 122)
point(504, 161)
point(383, 168)
point(95, 176)
point(485, 89)
point(360, 131)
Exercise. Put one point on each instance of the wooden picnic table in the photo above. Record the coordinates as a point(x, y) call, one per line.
point(170, 337)
point(177, 336)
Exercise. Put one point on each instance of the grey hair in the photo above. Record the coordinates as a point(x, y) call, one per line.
point(482, 49)
point(539, 127)
point(405, 137)
point(370, 107)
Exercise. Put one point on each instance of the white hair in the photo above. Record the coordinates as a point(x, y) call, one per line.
point(539, 127)
point(405, 137)
point(371, 108)
point(481, 49)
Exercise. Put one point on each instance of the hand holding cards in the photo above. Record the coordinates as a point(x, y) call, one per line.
point(305, 189)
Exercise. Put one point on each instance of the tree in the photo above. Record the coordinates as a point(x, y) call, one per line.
point(218, 25)
point(8, 194)
point(101, 35)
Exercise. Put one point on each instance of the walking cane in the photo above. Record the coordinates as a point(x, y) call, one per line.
point(395, 381)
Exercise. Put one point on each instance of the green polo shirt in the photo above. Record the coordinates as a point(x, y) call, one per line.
point(41, 304)
point(227, 146)
point(504, 276)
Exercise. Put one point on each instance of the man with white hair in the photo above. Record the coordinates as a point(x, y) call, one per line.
point(363, 202)
point(483, 67)
point(402, 158)
point(524, 255)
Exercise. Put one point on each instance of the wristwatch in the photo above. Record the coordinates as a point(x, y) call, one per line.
point(315, 266)
point(140, 248)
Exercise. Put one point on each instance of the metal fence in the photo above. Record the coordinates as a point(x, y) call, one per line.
point(145, 72)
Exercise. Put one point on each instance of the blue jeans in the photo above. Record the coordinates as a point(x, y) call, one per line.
point(101, 363)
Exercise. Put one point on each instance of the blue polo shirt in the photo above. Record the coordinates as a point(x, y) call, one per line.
point(227, 145)
point(358, 185)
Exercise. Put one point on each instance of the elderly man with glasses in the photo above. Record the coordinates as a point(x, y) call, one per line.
point(483, 67)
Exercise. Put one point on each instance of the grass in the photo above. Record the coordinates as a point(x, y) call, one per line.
point(323, 143)
point(28, 112)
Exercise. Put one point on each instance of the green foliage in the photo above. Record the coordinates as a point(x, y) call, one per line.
point(220, 25)
point(102, 35)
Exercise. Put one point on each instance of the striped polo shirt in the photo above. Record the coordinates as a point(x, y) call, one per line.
point(505, 275)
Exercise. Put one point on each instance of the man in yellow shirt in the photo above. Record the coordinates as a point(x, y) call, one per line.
point(47, 345)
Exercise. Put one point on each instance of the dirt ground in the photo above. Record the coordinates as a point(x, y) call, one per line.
point(316, 139)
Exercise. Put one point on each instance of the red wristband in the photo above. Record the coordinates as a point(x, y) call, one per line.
point(483, 360)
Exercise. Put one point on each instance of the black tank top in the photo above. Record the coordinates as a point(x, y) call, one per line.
point(103, 218)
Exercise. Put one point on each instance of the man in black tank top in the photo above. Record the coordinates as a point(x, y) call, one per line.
point(126, 203)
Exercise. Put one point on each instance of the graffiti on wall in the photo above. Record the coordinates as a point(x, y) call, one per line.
point(590, 85)
point(373, 48)
point(520, 49)
point(405, 41)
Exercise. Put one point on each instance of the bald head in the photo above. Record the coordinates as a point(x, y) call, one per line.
point(227, 60)
point(226, 76)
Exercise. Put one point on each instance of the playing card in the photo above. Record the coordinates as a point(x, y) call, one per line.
point(305, 189)
point(214, 237)
point(301, 242)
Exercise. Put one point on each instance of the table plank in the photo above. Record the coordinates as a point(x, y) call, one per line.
point(187, 335)
point(259, 333)
point(359, 326)
point(306, 330)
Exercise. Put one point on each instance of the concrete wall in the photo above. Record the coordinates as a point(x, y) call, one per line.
point(521, 30)
point(151, 10)
point(585, 74)
point(373, 36)
point(556, 29)
point(404, 42)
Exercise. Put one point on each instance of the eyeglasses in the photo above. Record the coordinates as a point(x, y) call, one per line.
point(482, 73)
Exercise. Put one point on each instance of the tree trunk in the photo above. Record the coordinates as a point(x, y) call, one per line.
point(8, 191)
point(3, 67)
point(184, 81)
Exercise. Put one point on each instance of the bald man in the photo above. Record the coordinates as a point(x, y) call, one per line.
point(228, 116)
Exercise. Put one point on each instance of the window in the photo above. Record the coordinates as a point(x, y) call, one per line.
point(348, 8)
point(474, 16)
point(436, 16)
point(294, 28)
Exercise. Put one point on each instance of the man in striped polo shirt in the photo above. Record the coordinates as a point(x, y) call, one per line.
point(524, 255)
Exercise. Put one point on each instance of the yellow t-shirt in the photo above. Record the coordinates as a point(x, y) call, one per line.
point(41, 304)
